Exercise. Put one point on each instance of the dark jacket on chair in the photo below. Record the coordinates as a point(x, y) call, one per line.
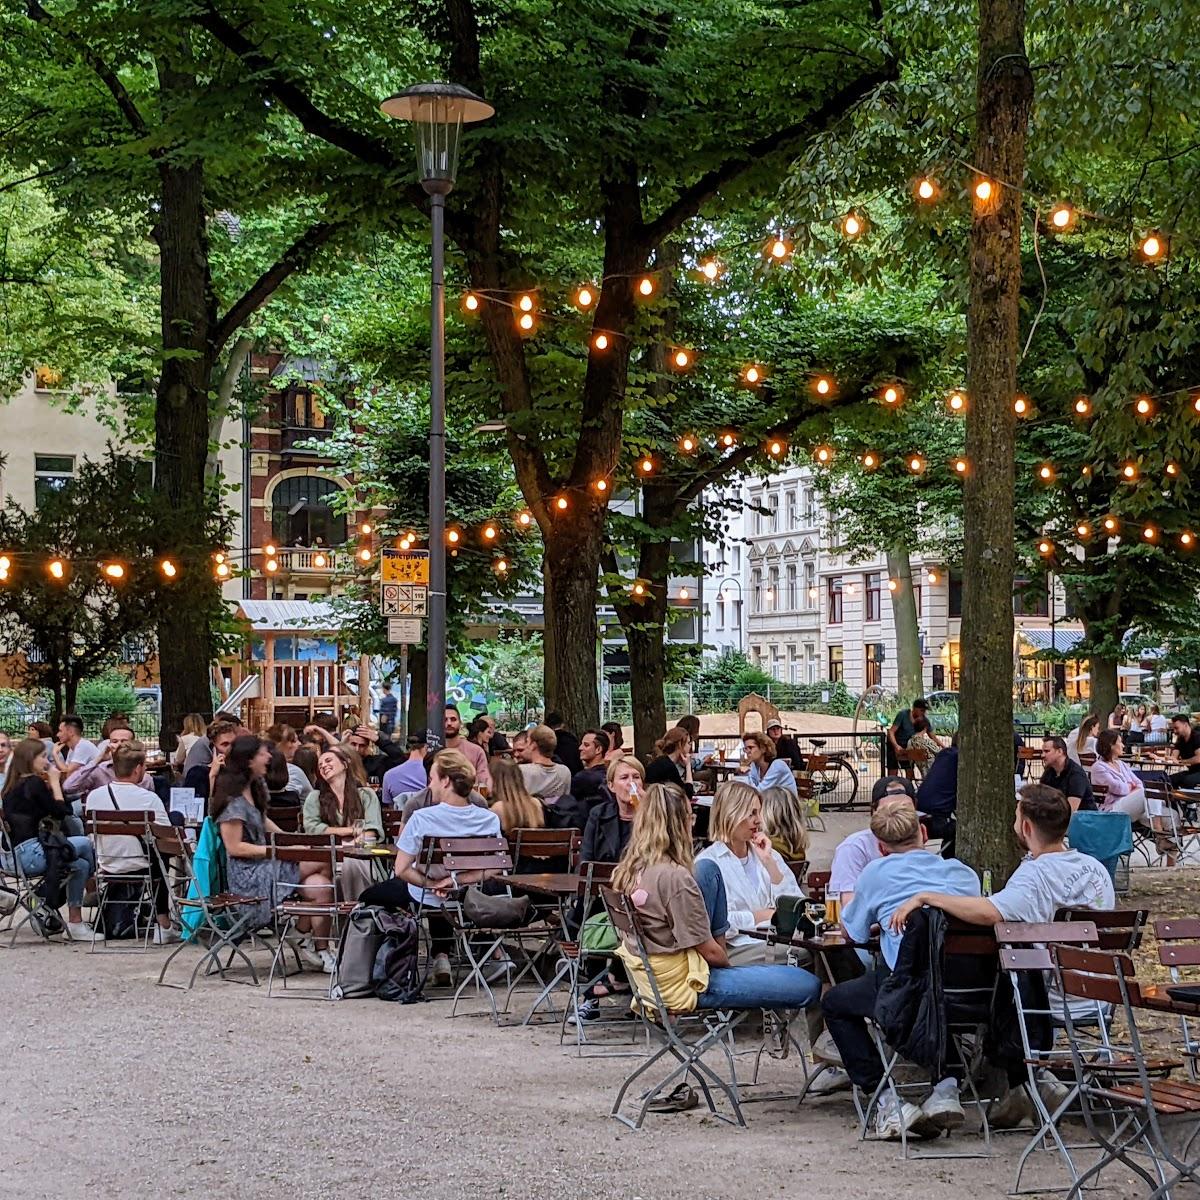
point(605, 835)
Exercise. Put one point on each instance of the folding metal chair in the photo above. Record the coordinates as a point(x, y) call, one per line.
point(23, 889)
point(1147, 1104)
point(223, 920)
point(1117, 928)
point(810, 802)
point(1179, 946)
point(122, 834)
point(687, 1037)
point(545, 849)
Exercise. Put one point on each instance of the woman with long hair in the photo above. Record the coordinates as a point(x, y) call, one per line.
point(302, 770)
point(1083, 740)
point(616, 740)
point(238, 807)
point(673, 760)
point(752, 870)
point(33, 793)
point(342, 804)
point(511, 800)
point(766, 770)
point(783, 822)
point(194, 728)
point(690, 964)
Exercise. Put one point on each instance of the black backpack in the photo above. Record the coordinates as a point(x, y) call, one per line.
point(126, 909)
point(395, 976)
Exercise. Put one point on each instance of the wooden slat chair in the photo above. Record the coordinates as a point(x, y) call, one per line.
point(289, 817)
point(24, 892)
point(685, 1036)
point(1178, 949)
point(102, 826)
point(816, 884)
point(968, 952)
point(1118, 928)
point(553, 850)
point(290, 909)
point(393, 822)
point(223, 919)
point(1138, 1110)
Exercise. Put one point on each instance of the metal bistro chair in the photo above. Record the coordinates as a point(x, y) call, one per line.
point(1179, 946)
point(809, 802)
point(24, 892)
point(132, 827)
point(1146, 1104)
point(545, 849)
point(686, 1036)
point(1118, 928)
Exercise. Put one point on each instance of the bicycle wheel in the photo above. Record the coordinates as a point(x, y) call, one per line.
point(836, 784)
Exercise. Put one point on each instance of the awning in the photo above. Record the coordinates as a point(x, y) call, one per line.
point(298, 616)
point(1039, 640)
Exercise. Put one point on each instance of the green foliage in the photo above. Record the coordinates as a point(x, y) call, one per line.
point(727, 680)
point(511, 668)
point(109, 692)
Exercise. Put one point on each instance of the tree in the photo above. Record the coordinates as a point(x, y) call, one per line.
point(67, 629)
point(511, 666)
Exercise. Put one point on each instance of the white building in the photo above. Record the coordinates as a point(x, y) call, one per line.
point(724, 598)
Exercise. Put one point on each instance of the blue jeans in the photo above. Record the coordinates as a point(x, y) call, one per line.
point(712, 888)
point(760, 987)
point(33, 862)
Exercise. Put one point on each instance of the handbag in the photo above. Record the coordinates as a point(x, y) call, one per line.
point(599, 935)
point(496, 912)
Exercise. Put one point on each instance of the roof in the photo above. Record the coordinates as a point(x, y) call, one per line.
point(309, 370)
point(1040, 639)
point(301, 616)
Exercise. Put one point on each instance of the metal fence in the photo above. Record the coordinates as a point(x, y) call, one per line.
point(16, 717)
point(682, 698)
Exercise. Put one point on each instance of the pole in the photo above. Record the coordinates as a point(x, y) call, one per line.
point(436, 642)
point(403, 713)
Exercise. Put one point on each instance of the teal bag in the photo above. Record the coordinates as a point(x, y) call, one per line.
point(598, 935)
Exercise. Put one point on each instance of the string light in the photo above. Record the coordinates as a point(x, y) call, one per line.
point(891, 394)
point(960, 466)
point(1111, 524)
point(926, 189)
point(687, 443)
point(1021, 406)
point(645, 286)
point(320, 561)
point(501, 566)
point(1144, 406)
point(984, 191)
point(218, 557)
point(561, 503)
point(585, 298)
point(1045, 549)
point(600, 341)
point(525, 322)
point(681, 358)
point(823, 385)
point(957, 402)
point(870, 460)
point(853, 224)
point(710, 269)
point(489, 533)
point(1150, 533)
point(684, 594)
point(1083, 531)
point(601, 485)
point(57, 568)
point(776, 448)
point(114, 571)
point(1082, 406)
point(1046, 473)
point(5, 564)
point(471, 302)
point(453, 537)
point(893, 584)
point(272, 565)
point(1129, 472)
point(525, 518)
point(1186, 539)
point(1062, 217)
point(1086, 470)
point(916, 464)
point(727, 440)
point(646, 466)
point(222, 570)
point(779, 249)
point(1196, 402)
point(639, 589)
point(1152, 247)
point(364, 555)
point(168, 568)
point(753, 374)
point(1172, 469)
point(525, 304)
point(823, 455)
point(270, 551)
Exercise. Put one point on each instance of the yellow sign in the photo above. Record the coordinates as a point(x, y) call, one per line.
point(405, 566)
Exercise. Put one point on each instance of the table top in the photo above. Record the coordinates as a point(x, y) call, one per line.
point(547, 883)
point(1158, 997)
point(380, 850)
point(825, 941)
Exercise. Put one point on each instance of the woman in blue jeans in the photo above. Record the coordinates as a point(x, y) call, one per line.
point(680, 913)
point(32, 792)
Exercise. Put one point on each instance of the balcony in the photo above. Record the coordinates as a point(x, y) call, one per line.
point(306, 560)
point(292, 439)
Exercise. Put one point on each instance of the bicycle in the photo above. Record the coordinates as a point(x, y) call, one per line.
point(834, 776)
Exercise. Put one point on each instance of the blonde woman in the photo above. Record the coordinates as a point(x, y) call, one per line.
point(1083, 740)
point(690, 964)
point(193, 730)
point(783, 822)
point(511, 801)
point(607, 830)
point(753, 872)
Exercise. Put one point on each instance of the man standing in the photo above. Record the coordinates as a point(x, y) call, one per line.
point(785, 747)
point(74, 750)
point(566, 743)
point(544, 778)
point(387, 710)
point(453, 730)
point(1186, 751)
point(588, 784)
point(906, 724)
point(410, 775)
point(882, 889)
point(1065, 776)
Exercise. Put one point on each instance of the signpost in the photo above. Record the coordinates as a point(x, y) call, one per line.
point(404, 631)
point(404, 566)
point(403, 600)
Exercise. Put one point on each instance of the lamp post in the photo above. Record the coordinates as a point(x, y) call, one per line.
point(437, 112)
point(721, 595)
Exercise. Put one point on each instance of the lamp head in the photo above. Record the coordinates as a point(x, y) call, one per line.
point(437, 111)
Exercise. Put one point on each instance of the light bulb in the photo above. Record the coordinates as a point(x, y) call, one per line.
point(501, 566)
point(1020, 406)
point(775, 449)
point(957, 401)
point(600, 341)
point(727, 440)
point(1186, 539)
point(1129, 471)
point(471, 302)
point(870, 460)
point(852, 225)
point(646, 286)
point(983, 190)
point(687, 443)
point(926, 189)
point(893, 584)
point(916, 464)
point(489, 532)
point(684, 594)
point(1061, 216)
point(601, 485)
point(823, 385)
point(639, 589)
point(524, 518)
point(561, 503)
point(646, 466)
point(453, 537)
point(168, 568)
point(1172, 469)
point(1045, 472)
point(526, 321)
point(891, 394)
point(1083, 530)
point(525, 304)
point(319, 560)
point(57, 568)
point(752, 374)
point(1110, 524)
point(222, 570)
point(269, 550)
point(271, 566)
point(682, 358)
point(1044, 548)
point(218, 557)
point(1083, 406)
point(932, 576)
point(584, 297)
point(779, 249)
point(824, 454)
point(364, 555)
point(710, 269)
point(1144, 406)
point(960, 465)
point(114, 571)
point(1150, 533)
point(1151, 247)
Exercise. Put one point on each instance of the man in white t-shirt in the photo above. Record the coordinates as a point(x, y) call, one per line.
point(853, 854)
point(120, 855)
point(74, 750)
point(451, 780)
point(1050, 877)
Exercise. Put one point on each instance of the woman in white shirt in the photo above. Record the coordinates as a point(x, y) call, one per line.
point(1082, 739)
point(754, 874)
point(193, 730)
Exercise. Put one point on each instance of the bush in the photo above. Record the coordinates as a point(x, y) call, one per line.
point(107, 693)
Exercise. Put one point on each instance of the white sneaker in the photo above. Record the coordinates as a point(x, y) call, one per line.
point(164, 937)
point(500, 968)
point(439, 973)
point(825, 1050)
point(82, 931)
point(943, 1107)
point(311, 957)
point(328, 961)
point(832, 1079)
point(891, 1122)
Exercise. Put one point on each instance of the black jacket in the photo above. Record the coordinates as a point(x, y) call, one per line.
point(589, 786)
point(663, 770)
point(567, 750)
point(910, 1009)
point(606, 835)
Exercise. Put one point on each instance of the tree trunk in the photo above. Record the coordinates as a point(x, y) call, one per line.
point(1004, 94)
point(418, 674)
point(572, 567)
point(909, 684)
point(1104, 687)
point(644, 635)
point(181, 438)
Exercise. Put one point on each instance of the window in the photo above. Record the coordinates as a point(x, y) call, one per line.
point(872, 597)
point(810, 507)
point(720, 614)
point(736, 623)
point(773, 588)
point(1030, 598)
point(51, 473)
point(836, 664)
point(874, 664)
point(756, 599)
point(302, 512)
point(793, 665)
point(810, 663)
point(917, 599)
point(810, 585)
point(833, 598)
point(791, 510)
point(737, 560)
point(301, 409)
point(773, 513)
point(954, 599)
point(792, 598)
point(776, 664)
point(46, 379)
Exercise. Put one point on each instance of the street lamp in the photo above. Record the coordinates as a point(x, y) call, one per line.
point(721, 594)
point(437, 112)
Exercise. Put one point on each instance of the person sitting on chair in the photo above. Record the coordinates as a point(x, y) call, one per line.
point(783, 822)
point(883, 888)
point(765, 769)
point(343, 806)
point(856, 851)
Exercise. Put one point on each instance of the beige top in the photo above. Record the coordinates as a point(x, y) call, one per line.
point(669, 902)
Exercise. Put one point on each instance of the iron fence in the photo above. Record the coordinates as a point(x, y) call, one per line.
point(16, 717)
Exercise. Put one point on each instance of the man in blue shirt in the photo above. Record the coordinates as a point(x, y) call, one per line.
point(905, 869)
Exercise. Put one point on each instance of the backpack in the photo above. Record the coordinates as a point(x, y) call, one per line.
point(395, 976)
point(126, 909)
point(356, 955)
